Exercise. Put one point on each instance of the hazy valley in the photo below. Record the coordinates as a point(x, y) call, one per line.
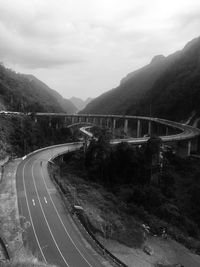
point(123, 180)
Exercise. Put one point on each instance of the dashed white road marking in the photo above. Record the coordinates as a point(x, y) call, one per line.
point(62, 221)
point(30, 211)
point(45, 216)
point(45, 200)
point(33, 202)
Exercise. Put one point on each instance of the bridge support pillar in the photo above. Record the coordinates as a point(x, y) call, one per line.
point(139, 128)
point(114, 124)
point(167, 131)
point(126, 126)
point(35, 119)
point(194, 145)
point(189, 145)
point(107, 122)
point(79, 119)
point(50, 122)
point(184, 148)
point(149, 128)
point(101, 122)
point(73, 120)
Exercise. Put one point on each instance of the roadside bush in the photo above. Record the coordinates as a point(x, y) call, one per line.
point(170, 201)
point(169, 212)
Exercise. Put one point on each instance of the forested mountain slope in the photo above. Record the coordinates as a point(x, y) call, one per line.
point(20, 92)
point(176, 94)
point(168, 87)
point(79, 103)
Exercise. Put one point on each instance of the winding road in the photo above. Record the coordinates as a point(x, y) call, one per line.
point(49, 231)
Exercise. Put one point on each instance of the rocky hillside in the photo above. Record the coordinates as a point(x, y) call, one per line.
point(20, 92)
point(168, 87)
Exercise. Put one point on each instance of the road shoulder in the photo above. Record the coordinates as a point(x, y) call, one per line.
point(11, 230)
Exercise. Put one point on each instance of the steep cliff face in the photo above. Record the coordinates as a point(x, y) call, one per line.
point(176, 94)
point(168, 86)
point(132, 88)
point(20, 92)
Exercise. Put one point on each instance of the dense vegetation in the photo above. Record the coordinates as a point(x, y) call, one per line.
point(20, 135)
point(25, 93)
point(162, 192)
point(168, 87)
point(176, 93)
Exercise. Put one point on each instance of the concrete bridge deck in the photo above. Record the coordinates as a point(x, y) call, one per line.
point(186, 131)
point(182, 137)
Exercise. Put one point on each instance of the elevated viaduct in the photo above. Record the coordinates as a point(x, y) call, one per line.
point(133, 129)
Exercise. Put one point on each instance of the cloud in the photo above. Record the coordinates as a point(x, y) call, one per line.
point(17, 50)
point(188, 19)
point(35, 38)
point(90, 45)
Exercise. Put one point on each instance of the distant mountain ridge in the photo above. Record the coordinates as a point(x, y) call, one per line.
point(79, 103)
point(26, 93)
point(168, 86)
point(131, 89)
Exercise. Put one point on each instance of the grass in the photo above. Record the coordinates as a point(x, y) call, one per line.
point(25, 264)
point(25, 259)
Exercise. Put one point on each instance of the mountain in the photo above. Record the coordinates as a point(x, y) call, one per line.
point(168, 87)
point(79, 103)
point(21, 92)
point(87, 101)
point(176, 94)
point(131, 89)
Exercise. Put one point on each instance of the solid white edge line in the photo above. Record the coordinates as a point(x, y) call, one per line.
point(63, 223)
point(45, 217)
point(30, 213)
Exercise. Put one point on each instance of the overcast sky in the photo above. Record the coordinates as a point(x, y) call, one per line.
point(84, 47)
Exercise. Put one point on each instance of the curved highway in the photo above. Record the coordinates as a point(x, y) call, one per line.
point(49, 232)
point(186, 131)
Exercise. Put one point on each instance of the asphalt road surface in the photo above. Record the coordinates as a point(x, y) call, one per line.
point(49, 232)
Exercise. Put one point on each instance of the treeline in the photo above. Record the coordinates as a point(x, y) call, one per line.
point(19, 135)
point(25, 93)
point(166, 88)
point(156, 186)
point(122, 164)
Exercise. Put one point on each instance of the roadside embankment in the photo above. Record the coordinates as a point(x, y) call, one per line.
point(2, 165)
point(10, 227)
point(83, 225)
point(9, 217)
point(118, 232)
